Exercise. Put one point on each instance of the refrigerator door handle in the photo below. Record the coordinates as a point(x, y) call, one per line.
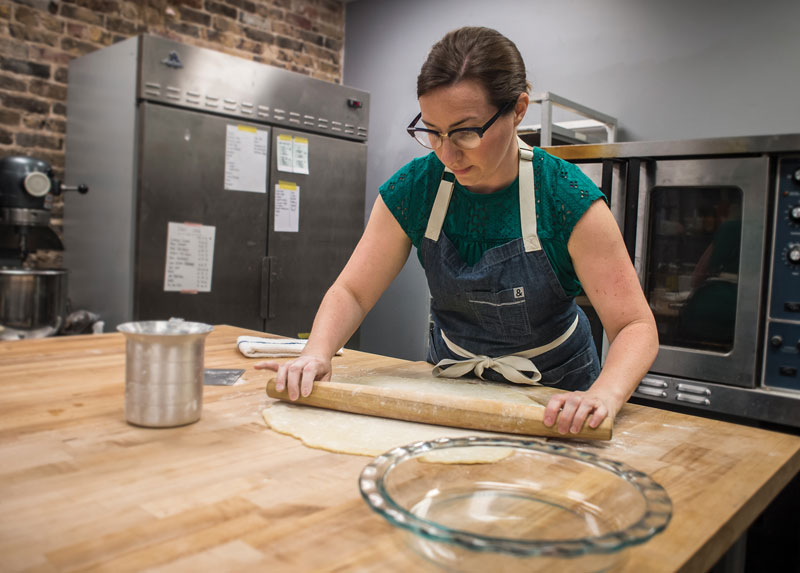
point(268, 273)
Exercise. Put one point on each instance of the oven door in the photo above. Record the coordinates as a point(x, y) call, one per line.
point(699, 252)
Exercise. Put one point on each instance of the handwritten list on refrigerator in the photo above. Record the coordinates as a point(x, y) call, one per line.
point(190, 257)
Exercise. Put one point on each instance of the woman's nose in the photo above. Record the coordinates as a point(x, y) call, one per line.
point(449, 153)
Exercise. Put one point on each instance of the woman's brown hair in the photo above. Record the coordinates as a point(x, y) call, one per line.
point(475, 53)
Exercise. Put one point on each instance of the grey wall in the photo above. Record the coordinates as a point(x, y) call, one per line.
point(667, 70)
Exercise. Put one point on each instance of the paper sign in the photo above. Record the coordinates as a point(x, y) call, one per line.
point(190, 257)
point(292, 154)
point(287, 207)
point(246, 159)
point(300, 155)
point(285, 153)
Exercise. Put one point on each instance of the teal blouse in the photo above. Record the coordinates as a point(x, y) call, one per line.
point(476, 222)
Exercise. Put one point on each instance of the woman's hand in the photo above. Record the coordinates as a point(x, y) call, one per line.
point(572, 409)
point(375, 262)
point(298, 375)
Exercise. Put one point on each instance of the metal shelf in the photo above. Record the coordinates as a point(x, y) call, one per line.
point(596, 128)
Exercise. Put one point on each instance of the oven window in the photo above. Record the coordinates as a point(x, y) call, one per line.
point(692, 273)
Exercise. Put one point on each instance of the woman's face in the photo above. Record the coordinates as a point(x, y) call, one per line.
point(493, 164)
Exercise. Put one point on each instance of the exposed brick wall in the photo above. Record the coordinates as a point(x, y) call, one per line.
point(38, 38)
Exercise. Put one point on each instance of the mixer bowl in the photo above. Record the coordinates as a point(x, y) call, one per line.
point(33, 303)
point(513, 504)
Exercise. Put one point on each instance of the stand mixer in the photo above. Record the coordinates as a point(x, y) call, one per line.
point(32, 301)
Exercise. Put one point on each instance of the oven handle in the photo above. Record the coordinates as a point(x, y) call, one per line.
point(631, 205)
point(608, 175)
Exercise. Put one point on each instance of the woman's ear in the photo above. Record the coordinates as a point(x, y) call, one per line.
point(521, 108)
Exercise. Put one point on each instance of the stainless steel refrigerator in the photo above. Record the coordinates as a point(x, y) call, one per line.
point(223, 190)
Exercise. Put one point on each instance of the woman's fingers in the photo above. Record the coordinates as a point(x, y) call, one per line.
point(294, 373)
point(307, 381)
point(583, 410)
point(570, 411)
point(567, 414)
point(554, 406)
point(600, 414)
point(298, 376)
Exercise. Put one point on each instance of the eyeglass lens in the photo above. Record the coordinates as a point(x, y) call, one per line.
point(462, 139)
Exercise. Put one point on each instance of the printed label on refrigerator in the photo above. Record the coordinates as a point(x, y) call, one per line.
point(190, 257)
point(246, 159)
point(287, 207)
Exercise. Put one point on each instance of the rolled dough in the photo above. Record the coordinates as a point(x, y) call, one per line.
point(343, 432)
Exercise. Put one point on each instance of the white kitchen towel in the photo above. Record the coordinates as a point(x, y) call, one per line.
point(259, 347)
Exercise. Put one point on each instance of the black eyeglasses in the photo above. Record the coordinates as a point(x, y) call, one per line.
point(462, 137)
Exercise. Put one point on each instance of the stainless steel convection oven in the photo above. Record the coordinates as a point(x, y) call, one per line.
point(713, 228)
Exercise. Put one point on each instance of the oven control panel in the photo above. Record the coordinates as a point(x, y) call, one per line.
point(782, 348)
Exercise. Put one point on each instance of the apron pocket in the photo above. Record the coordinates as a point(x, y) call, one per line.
point(501, 313)
point(577, 373)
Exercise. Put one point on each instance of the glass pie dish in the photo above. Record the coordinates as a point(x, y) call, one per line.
point(513, 504)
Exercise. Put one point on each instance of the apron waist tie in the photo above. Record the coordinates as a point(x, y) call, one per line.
point(509, 366)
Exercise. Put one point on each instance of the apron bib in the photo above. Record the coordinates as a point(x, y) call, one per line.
point(506, 318)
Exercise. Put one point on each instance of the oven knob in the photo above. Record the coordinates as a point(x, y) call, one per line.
point(793, 254)
point(776, 340)
point(794, 214)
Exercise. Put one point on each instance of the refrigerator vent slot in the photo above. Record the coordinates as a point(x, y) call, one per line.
point(247, 108)
point(173, 93)
point(308, 120)
point(294, 117)
point(336, 125)
point(263, 111)
point(152, 89)
point(192, 97)
point(322, 123)
point(212, 101)
point(229, 104)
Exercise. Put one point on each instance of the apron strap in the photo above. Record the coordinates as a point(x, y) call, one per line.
point(440, 204)
point(509, 366)
point(527, 199)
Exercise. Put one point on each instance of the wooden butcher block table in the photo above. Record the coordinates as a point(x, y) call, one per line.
point(82, 489)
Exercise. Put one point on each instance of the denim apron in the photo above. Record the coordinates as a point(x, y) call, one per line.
point(506, 318)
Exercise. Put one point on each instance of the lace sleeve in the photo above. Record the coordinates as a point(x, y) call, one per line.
point(573, 194)
point(408, 196)
point(563, 194)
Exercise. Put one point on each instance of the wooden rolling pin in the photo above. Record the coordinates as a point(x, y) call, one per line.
point(443, 410)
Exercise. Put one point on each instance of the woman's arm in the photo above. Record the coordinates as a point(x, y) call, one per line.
point(609, 280)
point(375, 262)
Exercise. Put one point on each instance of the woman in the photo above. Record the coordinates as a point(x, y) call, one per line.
point(507, 236)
